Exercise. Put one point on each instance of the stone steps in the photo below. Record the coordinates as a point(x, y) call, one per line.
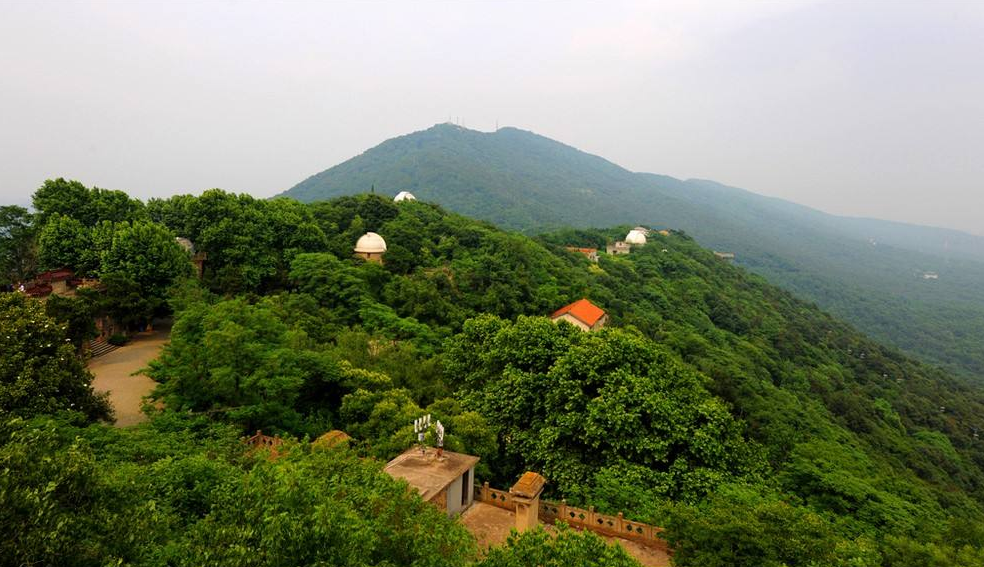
point(99, 348)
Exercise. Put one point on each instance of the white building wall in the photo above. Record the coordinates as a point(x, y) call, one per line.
point(454, 497)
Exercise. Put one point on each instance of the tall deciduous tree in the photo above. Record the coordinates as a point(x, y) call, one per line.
point(148, 254)
point(88, 206)
point(64, 242)
point(583, 407)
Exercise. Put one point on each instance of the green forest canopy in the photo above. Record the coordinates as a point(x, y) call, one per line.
point(757, 429)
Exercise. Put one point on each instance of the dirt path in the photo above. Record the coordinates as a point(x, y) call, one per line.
point(113, 371)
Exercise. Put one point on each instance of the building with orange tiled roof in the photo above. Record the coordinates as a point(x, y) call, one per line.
point(591, 253)
point(582, 314)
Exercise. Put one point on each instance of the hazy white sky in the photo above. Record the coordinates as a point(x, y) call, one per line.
point(872, 109)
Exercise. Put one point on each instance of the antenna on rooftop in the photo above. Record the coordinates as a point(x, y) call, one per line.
point(420, 427)
point(439, 429)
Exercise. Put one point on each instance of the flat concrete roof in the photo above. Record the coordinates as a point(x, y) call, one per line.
point(428, 474)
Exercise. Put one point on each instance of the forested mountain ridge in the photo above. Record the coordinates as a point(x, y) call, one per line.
point(758, 430)
point(868, 272)
point(716, 404)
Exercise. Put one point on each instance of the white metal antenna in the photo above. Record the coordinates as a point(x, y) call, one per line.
point(439, 430)
point(420, 427)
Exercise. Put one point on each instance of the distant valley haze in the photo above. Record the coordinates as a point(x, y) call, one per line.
point(858, 109)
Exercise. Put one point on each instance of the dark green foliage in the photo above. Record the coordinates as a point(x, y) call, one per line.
point(39, 370)
point(249, 243)
point(117, 339)
point(257, 366)
point(77, 315)
point(247, 362)
point(179, 491)
point(17, 246)
point(126, 302)
point(756, 428)
point(141, 263)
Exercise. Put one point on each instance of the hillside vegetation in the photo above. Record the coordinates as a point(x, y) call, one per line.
point(757, 429)
point(865, 271)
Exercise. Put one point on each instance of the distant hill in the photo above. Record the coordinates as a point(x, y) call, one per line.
point(867, 271)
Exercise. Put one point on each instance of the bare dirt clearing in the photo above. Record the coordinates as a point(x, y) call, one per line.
point(113, 374)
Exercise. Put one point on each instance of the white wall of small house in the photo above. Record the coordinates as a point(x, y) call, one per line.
point(573, 321)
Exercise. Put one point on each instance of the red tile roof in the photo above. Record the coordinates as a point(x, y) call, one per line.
point(582, 310)
point(60, 275)
point(582, 250)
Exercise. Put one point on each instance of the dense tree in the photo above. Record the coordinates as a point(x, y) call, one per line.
point(564, 548)
point(249, 242)
point(738, 527)
point(64, 242)
point(88, 206)
point(147, 255)
point(247, 362)
point(39, 370)
point(179, 491)
point(578, 406)
point(17, 246)
point(76, 313)
point(717, 406)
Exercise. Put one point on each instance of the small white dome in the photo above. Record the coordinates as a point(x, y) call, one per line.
point(370, 243)
point(635, 237)
point(404, 196)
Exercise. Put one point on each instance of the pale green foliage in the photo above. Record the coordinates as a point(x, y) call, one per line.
point(564, 549)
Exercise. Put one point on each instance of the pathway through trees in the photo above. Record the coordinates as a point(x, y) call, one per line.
point(113, 374)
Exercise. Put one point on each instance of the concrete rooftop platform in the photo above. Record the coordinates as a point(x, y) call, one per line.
point(427, 473)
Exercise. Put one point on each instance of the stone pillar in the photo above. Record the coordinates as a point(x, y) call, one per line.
point(526, 494)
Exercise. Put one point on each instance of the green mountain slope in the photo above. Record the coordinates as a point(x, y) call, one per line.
point(869, 272)
point(715, 403)
point(757, 429)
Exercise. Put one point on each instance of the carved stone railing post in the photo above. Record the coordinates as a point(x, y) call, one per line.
point(526, 495)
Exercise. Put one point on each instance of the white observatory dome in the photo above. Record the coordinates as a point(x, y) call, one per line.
point(404, 196)
point(635, 237)
point(370, 243)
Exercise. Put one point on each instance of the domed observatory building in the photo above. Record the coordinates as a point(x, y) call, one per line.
point(635, 237)
point(404, 196)
point(371, 247)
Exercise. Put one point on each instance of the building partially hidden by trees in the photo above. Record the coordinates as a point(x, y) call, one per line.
point(371, 247)
point(582, 314)
point(589, 253)
point(618, 247)
point(636, 237)
point(445, 480)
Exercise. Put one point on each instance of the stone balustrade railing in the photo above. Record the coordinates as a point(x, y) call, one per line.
point(587, 519)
